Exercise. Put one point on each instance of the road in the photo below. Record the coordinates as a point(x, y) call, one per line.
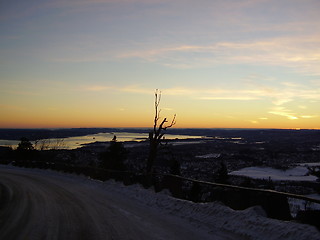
point(46, 205)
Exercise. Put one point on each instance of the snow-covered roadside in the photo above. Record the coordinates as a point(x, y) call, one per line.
point(208, 218)
point(298, 173)
point(251, 223)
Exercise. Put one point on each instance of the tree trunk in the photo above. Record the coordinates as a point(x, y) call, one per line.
point(152, 156)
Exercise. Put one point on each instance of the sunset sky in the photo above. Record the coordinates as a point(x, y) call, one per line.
point(218, 63)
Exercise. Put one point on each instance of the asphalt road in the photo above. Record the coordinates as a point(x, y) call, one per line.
point(35, 205)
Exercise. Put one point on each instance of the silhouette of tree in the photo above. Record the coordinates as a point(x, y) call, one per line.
point(113, 158)
point(175, 167)
point(25, 145)
point(221, 175)
point(25, 149)
point(156, 135)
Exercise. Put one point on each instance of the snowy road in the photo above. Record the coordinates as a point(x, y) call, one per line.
point(39, 204)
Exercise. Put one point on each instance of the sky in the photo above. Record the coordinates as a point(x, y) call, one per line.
point(217, 63)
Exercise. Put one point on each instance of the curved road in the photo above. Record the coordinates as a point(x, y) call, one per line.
point(44, 205)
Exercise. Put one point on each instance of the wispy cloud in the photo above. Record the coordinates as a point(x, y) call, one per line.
point(281, 100)
point(302, 107)
point(300, 53)
point(284, 112)
point(96, 88)
point(281, 111)
point(281, 93)
point(136, 89)
point(239, 98)
point(309, 116)
point(277, 96)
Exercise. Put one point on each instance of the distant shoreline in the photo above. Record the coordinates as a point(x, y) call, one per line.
point(44, 133)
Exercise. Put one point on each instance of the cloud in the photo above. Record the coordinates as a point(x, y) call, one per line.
point(239, 98)
point(96, 88)
point(299, 53)
point(136, 89)
point(278, 96)
point(302, 107)
point(281, 111)
point(308, 116)
point(180, 91)
point(200, 93)
point(281, 93)
point(281, 100)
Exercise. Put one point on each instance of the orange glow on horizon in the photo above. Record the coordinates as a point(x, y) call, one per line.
point(218, 123)
point(138, 112)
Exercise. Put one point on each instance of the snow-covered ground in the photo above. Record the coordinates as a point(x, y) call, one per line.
point(298, 173)
point(210, 155)
point(132, 212)
point(297, 205)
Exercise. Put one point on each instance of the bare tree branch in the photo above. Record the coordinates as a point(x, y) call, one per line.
point(156, 135)
point(173, 122)
point(157, 99)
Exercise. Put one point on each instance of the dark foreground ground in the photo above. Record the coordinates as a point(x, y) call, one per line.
point(41, 204)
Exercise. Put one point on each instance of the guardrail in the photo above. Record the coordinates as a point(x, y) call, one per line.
point(268, 191)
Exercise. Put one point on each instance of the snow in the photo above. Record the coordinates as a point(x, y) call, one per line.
point(297, 205)
point(298, 173)
point(210, 220)
point(251, 223)
point(208, 156)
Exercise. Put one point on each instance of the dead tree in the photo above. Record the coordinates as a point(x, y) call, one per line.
point(157, 133)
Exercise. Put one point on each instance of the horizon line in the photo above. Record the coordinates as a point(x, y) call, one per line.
point(181, 128)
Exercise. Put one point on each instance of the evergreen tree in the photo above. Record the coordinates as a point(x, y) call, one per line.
point(113, 158)
point(25, 150)
point(25, 145)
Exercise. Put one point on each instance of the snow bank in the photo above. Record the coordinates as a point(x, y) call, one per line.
point(299, 173)
point(251, 223)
